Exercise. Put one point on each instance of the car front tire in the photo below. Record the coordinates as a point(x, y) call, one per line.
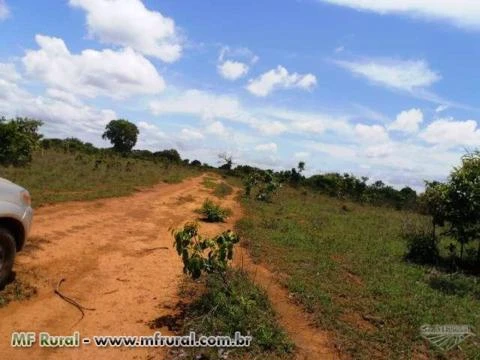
point(7, 255)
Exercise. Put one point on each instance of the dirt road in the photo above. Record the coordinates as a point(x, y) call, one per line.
point(111, 253)
point(117, 257)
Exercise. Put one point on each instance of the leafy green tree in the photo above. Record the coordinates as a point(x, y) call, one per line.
point(433, 201)
point(19, 138)
point(122, 134)
point(463, 201)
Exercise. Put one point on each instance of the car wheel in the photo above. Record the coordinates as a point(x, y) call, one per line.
point(7, 255)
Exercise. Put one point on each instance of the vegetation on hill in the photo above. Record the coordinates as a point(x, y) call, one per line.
point(20, 139)
point(56, 176)
point(56, 170)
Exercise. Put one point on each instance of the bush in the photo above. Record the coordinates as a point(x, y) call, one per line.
point(422, 247)
point(213, 212)
point(191, 246)
point(19, 138)
point(267, 184)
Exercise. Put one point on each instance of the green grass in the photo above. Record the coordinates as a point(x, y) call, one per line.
point(209, 182)
point(244, 308)
point(16, 290)
point(347, 268)
point(213, 212)
point(56, 176)
point(222, 190)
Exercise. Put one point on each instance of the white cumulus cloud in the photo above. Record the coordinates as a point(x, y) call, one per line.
point(62, 117)
point(199, 103)
point(462, 13)
point(217, 128)
point(191, 134)
point(407, 121)
point(269, 147)
point(115, 74)
point(404, 75)
point(280, 78)
point(452, 133)
point(129, 23)
point(371, 133)
point(233, 70)
point(8, 72)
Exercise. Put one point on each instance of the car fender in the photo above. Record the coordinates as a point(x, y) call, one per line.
point(10, 211)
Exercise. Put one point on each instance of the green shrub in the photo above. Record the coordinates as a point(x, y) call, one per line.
point(421, 246)
point(213, 212)
point(267, 184)
point(203, 254)
point(19, 138)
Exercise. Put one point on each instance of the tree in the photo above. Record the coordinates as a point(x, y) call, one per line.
point(301, 166)
point(122, 134)
point(433, 201)
point(227, 161)
point(463, 201)
point(19, 138)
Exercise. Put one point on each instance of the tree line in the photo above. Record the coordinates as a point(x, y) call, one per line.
point(19, 138)
point(456, 202)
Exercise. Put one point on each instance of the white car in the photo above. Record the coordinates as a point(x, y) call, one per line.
point(15, 220)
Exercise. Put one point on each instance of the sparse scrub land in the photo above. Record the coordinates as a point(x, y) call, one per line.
point(56, 176)
point(348, 269)
point(213, 212)
point(370, 263)
point(56, 170)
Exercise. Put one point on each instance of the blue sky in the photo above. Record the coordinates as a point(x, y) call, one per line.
point(385, 89)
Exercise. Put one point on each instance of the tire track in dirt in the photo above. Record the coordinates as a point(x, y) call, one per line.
point(311, 343)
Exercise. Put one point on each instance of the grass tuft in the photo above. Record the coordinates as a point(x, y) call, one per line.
point(244, 308)
point(16, 290)
point(213, 212)
point(222, 190)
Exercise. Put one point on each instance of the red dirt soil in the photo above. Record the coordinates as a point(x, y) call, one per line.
point(112, 254)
